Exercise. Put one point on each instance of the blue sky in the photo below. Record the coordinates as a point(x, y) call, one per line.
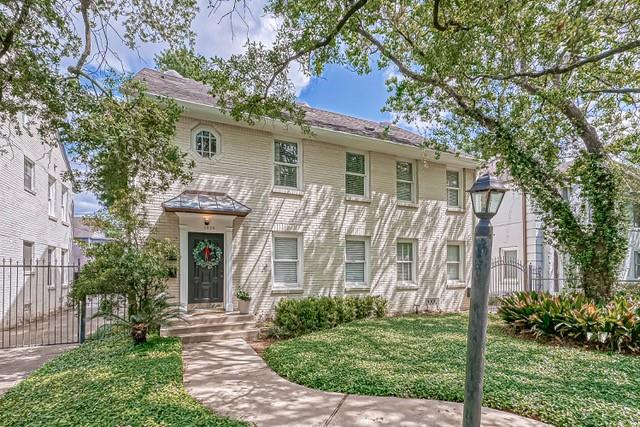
point(338, 89)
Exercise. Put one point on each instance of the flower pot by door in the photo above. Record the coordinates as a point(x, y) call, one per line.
point(243, 306)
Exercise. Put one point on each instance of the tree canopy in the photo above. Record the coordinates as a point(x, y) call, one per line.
point(527, 85)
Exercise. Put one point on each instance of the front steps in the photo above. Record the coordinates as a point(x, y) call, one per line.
point(213, 326)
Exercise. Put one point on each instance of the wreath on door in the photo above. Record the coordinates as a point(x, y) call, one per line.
point(207, 254)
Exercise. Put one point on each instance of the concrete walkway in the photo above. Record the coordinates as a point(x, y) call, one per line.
point(231, 379)
point(17, 363)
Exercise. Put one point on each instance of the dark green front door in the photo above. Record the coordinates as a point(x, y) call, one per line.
point(205, 284)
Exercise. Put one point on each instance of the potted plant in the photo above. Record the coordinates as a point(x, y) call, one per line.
point(243, 301)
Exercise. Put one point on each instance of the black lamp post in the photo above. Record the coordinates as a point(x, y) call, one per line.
point(486, 196)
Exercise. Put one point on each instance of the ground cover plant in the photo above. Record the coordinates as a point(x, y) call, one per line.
point(109, 382)
point(301, 316)
point(611, 325)
point(424, 357)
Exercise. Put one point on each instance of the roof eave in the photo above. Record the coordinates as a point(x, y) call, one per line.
point(279, 127)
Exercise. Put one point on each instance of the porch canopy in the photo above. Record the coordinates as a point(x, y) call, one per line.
point(206, 202)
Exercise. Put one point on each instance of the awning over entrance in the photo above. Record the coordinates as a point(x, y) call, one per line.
point(206, 202)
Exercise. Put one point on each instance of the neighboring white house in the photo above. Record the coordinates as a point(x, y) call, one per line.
point(35, 224)
point(356, 208)
point(83, 233)
point(518, 234)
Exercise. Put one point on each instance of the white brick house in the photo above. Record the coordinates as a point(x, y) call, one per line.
point(352, 209)
point(36, 207)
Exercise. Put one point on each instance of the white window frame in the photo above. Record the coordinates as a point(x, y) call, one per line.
point(414, 182)
point(459, 188)
point(33, 174)
point(636, 265)
point(28, 243)
point(215, 133)
point(52, 255)
point(64, 266)
point(460, 262)
point(300, 270)
point(367, 263)
point(635, 215)
point(64, 203)
point(366, 195)
point(413, 262)
point(51, 196)
point(298, 166)
point(504, 267)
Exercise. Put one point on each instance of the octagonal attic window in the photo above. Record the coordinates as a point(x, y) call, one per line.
point(205, 143)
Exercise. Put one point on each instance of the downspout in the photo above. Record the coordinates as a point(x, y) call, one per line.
point(525, 258)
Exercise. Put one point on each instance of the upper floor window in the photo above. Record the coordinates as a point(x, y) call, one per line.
point(286, 260)
point(453, 189)
point(355, 264)
point(205, 143)
point(405, 181)
point(29, 175)
point(356, 183)
point(51, 199)
point(64, 203)
point(286, 169)
point(405, 261)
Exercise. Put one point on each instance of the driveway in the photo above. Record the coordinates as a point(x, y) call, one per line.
point(230, 378)
point(17, 363)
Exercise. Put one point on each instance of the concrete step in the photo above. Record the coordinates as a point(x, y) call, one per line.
point(207, 327)
point(248, 335)
point(212, 318)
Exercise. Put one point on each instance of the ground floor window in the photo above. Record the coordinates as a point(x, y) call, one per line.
point(636, 264)
point(454, 262)
point(355, 266)
point(405, 259)
point(286, 260)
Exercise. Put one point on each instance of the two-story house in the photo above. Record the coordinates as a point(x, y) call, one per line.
point(36, 206)
point(356, 207)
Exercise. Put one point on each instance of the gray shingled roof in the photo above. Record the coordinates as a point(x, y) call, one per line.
point(205, 202)
point(169, 84)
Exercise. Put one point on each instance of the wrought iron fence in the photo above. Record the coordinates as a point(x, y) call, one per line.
point(35, 308)
point(509, 275)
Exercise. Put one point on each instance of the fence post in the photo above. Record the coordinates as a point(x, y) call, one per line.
point(82, 319)
point(529, 281)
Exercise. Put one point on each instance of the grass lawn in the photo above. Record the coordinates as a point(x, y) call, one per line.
point(424, 356)
point(109, 383)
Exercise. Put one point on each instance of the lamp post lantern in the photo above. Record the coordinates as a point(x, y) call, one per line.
point(486, 196)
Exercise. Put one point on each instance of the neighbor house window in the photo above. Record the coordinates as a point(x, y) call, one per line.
point(355, 265)
point(29, 175)
point(453, 189)
point(509, 263)
point(64, 261)
point(286, 260)
point(405, 181)
point(286, 169)
point(64, 194)
point(205, 143)
point(356, 175)
point(405, 260)
point(27, 253)
point(636, 264)
point(635, 216)
point(454, 262)
point(52, 196)
point(51, 260)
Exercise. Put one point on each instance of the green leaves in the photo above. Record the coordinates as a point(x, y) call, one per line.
point(424, 357)
point(109, 382)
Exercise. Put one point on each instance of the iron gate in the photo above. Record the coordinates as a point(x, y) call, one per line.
point(35, 307)
point(509, 275)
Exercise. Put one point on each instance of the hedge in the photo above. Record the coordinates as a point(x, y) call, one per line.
point(572, 317)
point(301, 316)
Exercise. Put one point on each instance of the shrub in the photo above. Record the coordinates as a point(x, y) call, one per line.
point(301, 316)
point(612, 325)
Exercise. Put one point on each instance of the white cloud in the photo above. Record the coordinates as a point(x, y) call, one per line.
point(85, 203)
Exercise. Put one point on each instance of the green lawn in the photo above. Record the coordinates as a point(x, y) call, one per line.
point(109, 383)
point(424, 356)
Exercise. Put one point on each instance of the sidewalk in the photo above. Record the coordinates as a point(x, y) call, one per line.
point(17, 363)
point(231, 379)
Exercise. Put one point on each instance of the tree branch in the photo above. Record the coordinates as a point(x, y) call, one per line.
point(613, 90)
point(355, 6)
point(447, 24)
point(84, 11)
point(565, 68)
point(7, 40)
